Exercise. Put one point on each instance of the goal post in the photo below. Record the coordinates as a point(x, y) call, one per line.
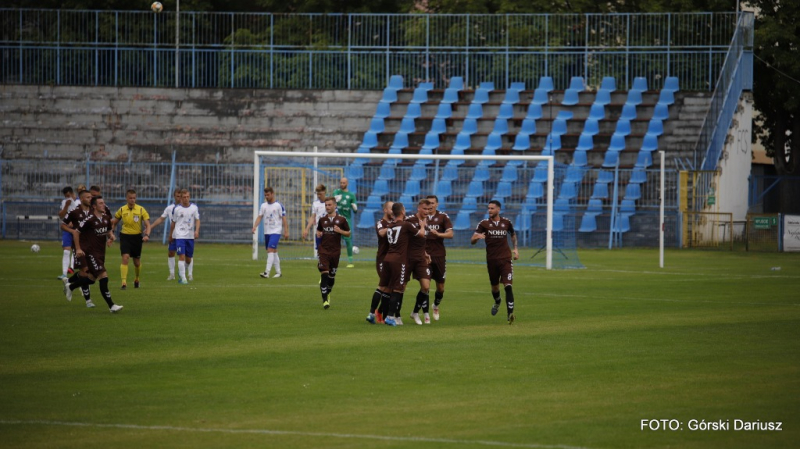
point(315, 160)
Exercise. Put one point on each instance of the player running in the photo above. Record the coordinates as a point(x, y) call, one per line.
point(79, 279)
point(185, 229)
point(68, 204)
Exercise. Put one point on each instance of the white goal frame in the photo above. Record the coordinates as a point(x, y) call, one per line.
point(324, 155)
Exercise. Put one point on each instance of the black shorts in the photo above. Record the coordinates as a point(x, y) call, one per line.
point(96, 264)
point(131, 244)
point(438, 269)
point(394, 275)
point(501, 271)
point(419, 269)
point(328, 262)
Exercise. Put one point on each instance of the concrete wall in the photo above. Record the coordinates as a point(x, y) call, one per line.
point(736, 162)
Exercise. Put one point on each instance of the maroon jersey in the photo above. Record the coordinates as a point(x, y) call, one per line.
point(331, 241)
point(94, 233)
point(496, 233)
point(439, 222)
point(383, 242)
point(75, 218)
point(399, 235)
point(416, 247)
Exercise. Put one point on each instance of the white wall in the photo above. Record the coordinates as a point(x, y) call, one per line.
point(736, 161)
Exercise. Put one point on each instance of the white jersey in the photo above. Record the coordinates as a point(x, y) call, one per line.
point(168, 211)
point(318, 209)
point(272, 217)
point(184, 219)
point(72, 207)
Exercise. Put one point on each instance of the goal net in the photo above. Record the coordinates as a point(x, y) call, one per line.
point(464, 185)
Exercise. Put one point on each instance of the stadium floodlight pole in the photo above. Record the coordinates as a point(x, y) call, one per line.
point(312, 154)
point(661, 215)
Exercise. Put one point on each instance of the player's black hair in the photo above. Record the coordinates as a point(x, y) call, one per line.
point(433, 197)
point(95, 198)
point(499, 206)
point(94, 189)
point(397, 209)
point(66, 190)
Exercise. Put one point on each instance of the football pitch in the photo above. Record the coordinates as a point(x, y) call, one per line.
point(709, 343)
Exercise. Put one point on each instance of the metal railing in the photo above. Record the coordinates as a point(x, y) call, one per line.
point(359, 51)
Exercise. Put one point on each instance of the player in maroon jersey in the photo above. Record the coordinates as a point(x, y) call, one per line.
point(330, 230)
point(439, 228)
point(495, 231)
point(80, 278)
point(92, 236)
point(382, 293)
point(395, 274)
point(418, 262)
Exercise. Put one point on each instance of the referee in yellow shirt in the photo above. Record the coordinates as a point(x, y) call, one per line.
point(135, 220)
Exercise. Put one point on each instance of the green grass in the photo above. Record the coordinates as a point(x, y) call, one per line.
point(233, 360)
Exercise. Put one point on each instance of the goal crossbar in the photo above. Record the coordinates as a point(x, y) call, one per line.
point(327, 155)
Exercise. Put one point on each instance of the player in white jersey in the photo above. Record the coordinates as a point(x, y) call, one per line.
point(172, 243)
point(185, 228)
point(317, 212)
point(68, 204)
point(274, 216)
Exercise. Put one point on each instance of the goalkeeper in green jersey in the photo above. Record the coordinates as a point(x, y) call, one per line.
point(345, 202)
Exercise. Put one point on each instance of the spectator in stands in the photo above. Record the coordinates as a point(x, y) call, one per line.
point(495, 231)
point(346, 202)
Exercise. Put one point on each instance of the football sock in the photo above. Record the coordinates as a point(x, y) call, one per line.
point(376, 299)
point(74, 278)
point(270, 262)
point(395, 301)
point(171, 265)
point(496, 296)
point(420, 302)
point(385, 301)
point(123, 271)
point(349, 242)
point(190, 268)
point(437, 298)
point(182, 269)
point(277, 264)
point(65, 259)
point(509, 299)
point(426, 302)
point(105, 292)
point(323, 286)
point(331, 281)
point(138, 270)
point(399, 303)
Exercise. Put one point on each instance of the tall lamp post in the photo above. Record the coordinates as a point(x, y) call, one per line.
point(177, 43)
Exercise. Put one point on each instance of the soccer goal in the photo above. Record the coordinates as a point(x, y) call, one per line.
point(463, 183)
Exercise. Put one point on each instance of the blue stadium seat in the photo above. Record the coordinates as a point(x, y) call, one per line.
point(546, 83)
point(535, 191)
point(639, 175)
point(462, 222)
point(431, 141)
point(387, 172)
point(449, 172)
point(438, 126)
point(579, 158)
point(585, 143)
point(552, 145)
point(559, 127)
point(522, 142)
point(617, 143)
point(370, 141)
point(355, 171)
point(420, 94)
point(512, 96)
point(569, 190)
point(475, 111)
point(412, 188)
point(444, 188)
point(400, 142)
point(509, 174)
point(366, 219)
point(445, 111)
point(605, 176)
point(419, 173)
point(565, 115)
point(463, 142)
point(493, 143)
point(534, 112)
point(482, 93)
point(591, 127)
point(540, 97)
point(500, 127)
point(414, 111)
point(519, 85)
point(475, 188)
point(634, 97)
point(406, 199)
point(661, 112)
point(377, 125)
point(540, 172)
point(632, 191)
point(627, 207)
point(628, 112)
point(644, 159)
point(622, 224)
point(611, 159)
point(383, 110)
point(609, 83)
point(558, 221)
point(588, 223)
point(523, 221)
point(456, 82)
point(506, 112)
point(598, 111)
point(470, 204)
point(504, 190)
point(396, 82)
point(655, 127)
point(470, 126)
point(562, 205)
point(486, 85)
point(481, 174)
point(595, 206)
point(671, 84)
point(640, 84)
point(650, 143)
point(407, 125)
point(666, 97)
point(528, 127)
point(389, 95)
point(623, 127)
point(570, 97)
point(603, 97)
point(574, 174)
point(576, 83)
point(374, 202)
point(600, 190)
point(450, 96)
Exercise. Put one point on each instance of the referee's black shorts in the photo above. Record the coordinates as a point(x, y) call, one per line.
point(131, 244)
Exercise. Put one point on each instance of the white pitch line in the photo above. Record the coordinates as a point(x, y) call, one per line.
point(289, 432)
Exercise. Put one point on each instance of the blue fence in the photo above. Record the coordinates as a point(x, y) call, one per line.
point(359, 51)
